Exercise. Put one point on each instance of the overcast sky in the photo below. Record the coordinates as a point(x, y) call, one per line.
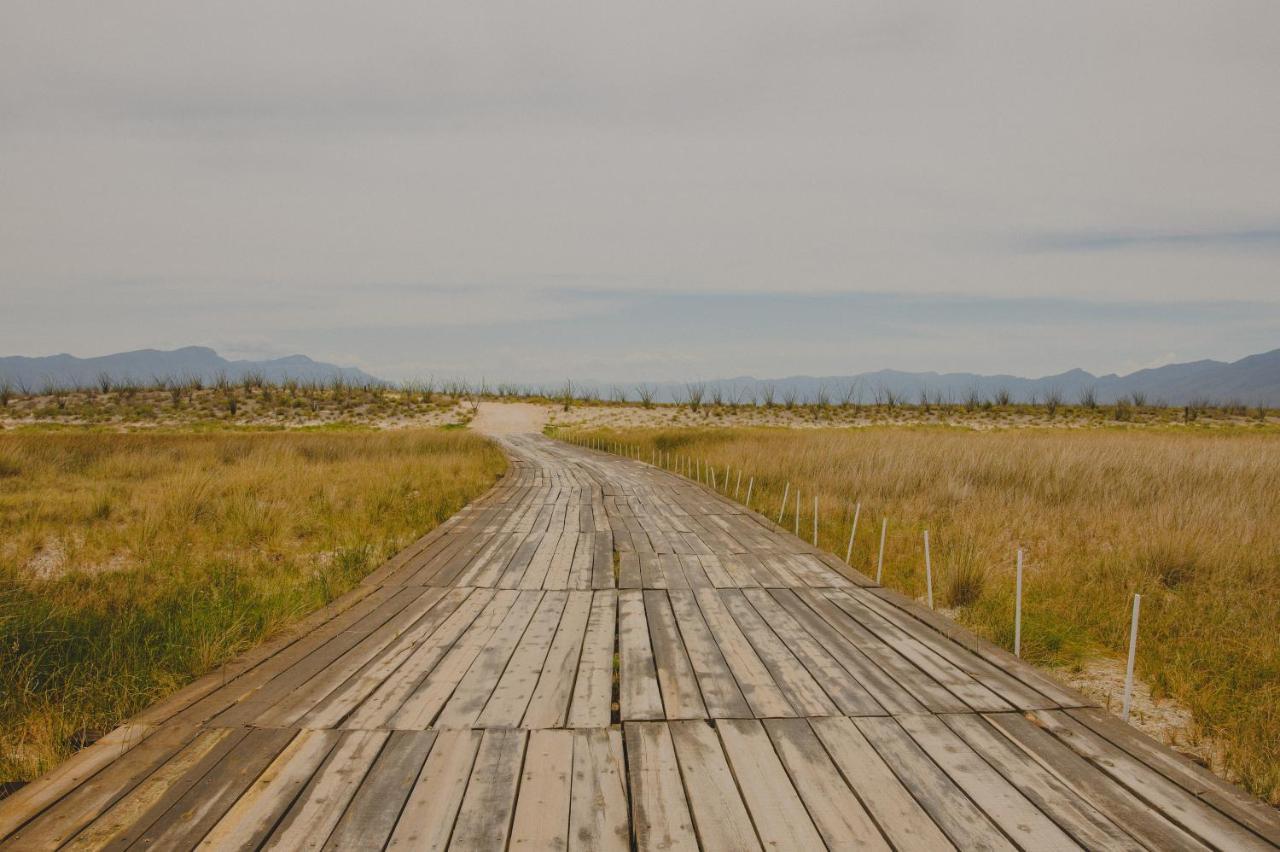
point(661, 190)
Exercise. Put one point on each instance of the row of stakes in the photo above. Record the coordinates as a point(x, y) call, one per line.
point(704, 473)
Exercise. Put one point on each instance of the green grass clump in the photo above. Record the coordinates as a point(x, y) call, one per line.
point(131, 564)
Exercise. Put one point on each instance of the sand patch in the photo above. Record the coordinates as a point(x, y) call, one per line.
point(1164, 719)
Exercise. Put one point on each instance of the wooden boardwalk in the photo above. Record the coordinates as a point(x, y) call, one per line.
point(599, 655)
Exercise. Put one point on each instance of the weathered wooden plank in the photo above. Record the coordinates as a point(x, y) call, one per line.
point(721, 695)
point(999, 800)
point(629, 574)
point(1175, 803)
point(896, 811)
point(421, 707)
point(660, 815)
point(313, 816)
point(1038, 680)
point(381, 704)
point(1090, 783)
point(473, 691)
point(956, 680)
point(549, 705)
point(484, 820)
point(296, 703)
point(593, 689)
point(598, 818)
point(510, 698)
point(838, 815)
point(681, 696)
point(1077, 817)
point(780, 817)
point(849, 696)
point(753, 677)
point(886, 692)
point(639, 695)
point(369, 819)
point(117, 827)
point(85, 802)
point(1195, 779)
point(251, 818)
point(919, 685)
point(718, 813)
point(285, 674)
point(799, 686)
point(432, 807)
point(962, 821)
point(191, 817)
point(542, 810)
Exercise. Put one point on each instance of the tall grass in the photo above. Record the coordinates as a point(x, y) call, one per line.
point(133, 563)
point(1189, 519)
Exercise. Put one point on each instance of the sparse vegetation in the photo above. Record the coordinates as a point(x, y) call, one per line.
point(132, 563)
point(1187, 517)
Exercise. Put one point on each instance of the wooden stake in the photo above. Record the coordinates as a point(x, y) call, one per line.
point(884, 527)
point(815, 521)
point(1017, 611)
point(928, 570)
point(749, 486)
point(783, 510)
point(1133, 653)
point(797, 532)
point(737, 484)
point(848, 554)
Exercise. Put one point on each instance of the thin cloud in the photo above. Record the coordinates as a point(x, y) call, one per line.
point(1103, 241)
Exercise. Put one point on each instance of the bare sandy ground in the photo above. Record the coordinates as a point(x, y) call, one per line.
point(510, 418)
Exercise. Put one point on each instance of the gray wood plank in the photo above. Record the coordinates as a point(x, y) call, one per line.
point(484, 819)
point(660, 816)
point(598, 815)
point(372, 814)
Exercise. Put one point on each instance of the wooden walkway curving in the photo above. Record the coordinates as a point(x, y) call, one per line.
point(599, 655)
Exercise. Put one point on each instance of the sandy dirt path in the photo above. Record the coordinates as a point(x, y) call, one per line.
point(510, 418)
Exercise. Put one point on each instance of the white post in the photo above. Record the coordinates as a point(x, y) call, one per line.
point(848, 553)
point(783, 510)
point(737, 484)
point(1017, 611)
point(928, 570)
point(797, 532)
point(1133, 652)
point(815, 521)
point(711, 475)
point(749, 486)
point(884, 527)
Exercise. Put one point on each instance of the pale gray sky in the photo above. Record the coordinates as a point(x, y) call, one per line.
point(654, 191)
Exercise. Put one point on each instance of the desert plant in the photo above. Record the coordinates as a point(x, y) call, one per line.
point(645, 392)
point(1052, 400)
point(694, 393)
point(1089, 398)
point(973, 400)
point(1003, 397)
point(767, 393)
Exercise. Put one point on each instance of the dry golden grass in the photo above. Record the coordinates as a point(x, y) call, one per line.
point(1189, 519)
point(132, 563)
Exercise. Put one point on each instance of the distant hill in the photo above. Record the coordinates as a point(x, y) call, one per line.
point(1252, 381)
point(145, 365)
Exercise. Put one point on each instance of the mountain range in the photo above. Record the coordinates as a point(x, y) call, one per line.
point(145, 365)
point(1254, 380)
